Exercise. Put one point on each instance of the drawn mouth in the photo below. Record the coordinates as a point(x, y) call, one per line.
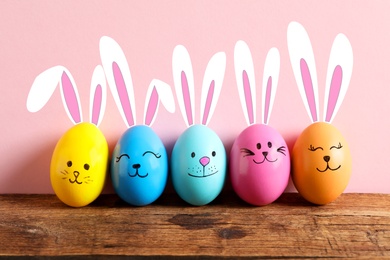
point(328, 168)
point(137, 174)
point(76, 175)
point(202, 176)
point(265, 159)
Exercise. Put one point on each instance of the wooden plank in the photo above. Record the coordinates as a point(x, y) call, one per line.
point(354, 225)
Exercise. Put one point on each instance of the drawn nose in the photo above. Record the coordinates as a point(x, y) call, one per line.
point(204, 161)
point(136, 166)
point(76, 174)
point(265, 154)
point(326, 158)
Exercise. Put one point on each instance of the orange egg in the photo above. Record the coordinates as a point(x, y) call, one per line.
point(321, 163)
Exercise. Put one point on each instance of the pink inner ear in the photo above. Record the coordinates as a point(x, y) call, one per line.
point(122, 92)
point(308, 85)
point(70, 98)
point(209, 99)
point(334, 91)
point(152, 107)
point(97, 104)
point(186, 97)
point(267, 100)
point(248, 97)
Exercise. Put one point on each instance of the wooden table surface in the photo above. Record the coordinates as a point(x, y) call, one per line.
point(355, 225)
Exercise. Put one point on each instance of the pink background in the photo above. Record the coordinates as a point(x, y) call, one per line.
point(37, 35)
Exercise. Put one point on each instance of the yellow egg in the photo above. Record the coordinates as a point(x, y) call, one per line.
point(79, 165)
point(321, 163)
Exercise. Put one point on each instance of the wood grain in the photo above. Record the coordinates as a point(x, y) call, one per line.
point(355, 225)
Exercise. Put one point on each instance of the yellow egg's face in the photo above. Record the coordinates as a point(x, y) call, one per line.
point(321, 163)
point(79, 165)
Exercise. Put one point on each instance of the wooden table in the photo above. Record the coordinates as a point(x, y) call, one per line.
point(355, 225)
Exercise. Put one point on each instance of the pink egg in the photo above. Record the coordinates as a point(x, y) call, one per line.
point(259, 165)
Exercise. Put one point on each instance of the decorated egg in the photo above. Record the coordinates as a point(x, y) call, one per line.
point(139, 166)
point(259, 165)
point(198, 165)
point(79, 165)
point(321, 163)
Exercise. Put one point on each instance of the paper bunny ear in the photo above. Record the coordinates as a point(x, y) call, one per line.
point(304, 68)
point(98, 96)
point(43, 88)
point(119, 78)
point(183, 78)
point(212, 85)
point(157, 91)
point(270, 82)
point(338, 76)
point(245, 77)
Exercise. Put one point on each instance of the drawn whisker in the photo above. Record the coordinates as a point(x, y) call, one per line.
point(64, 172)
point(282, 150)
point(247, 152)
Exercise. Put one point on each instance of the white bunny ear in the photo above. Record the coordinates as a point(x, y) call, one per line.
point(184, 83)
point(212, 85)
point(270, 82)
point(157, 91)
point(303, 64)
point(119, 78)
point(98, 96)
point(43, 88)
point(245, 77)
point(338, 76)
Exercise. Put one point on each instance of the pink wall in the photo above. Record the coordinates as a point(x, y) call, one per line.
point(37, 35)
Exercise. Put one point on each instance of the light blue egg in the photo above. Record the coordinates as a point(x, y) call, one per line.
point(198, 165)
point(139, 166)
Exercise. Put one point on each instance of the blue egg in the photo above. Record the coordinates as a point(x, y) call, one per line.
point(139, 167)
point(198, 165)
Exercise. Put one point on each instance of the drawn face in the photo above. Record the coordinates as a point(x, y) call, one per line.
point(75, 175)
point(259, 164)
point(198, 165)
point(321, 163)
point(262, 154)
point(79, 164)
point(139, 166)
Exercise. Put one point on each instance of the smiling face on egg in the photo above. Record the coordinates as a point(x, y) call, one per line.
point(321, 162)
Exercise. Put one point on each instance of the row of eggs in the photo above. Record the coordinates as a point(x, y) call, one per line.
point(259, 165)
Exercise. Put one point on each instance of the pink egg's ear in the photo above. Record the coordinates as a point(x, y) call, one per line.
point(184, 83)
point(270, 82)
point(304, 67)
point(212, 85)
point(338, 77)
point(98, 96)
point(119, 78)
point(157, 91)
point(245, 77)
point(43, 88)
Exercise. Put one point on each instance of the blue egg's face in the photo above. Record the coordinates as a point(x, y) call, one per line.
point(139, 167)
point(198, 165)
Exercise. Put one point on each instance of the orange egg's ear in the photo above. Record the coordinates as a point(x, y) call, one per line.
point(304, 67)
point(338, 77)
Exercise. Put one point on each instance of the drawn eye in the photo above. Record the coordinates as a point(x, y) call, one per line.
point(192, 154)
point(155, 154)
point(213, 153)
point(339, 146)
point(86, 166)
point(122, 155)
point(269, 144)
point(312, 148)
point(258, 146)
point(247, 152)
point(69, 163)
